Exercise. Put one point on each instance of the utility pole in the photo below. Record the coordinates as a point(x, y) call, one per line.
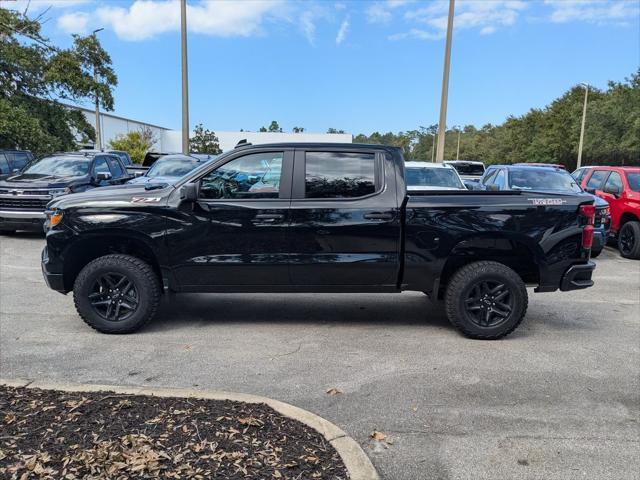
point(185, 79)
point(98, 143)
point(442, 125)
point(584, 118)
point(458, 148)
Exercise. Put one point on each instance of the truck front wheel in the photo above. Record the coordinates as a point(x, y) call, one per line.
point(486, 300)
point(116, 293)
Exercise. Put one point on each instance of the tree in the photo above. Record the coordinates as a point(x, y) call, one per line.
point(204, 141)
point(298, 129)
point(136, 143)
point(333, 130)
point(274, 127)
point(34, 76)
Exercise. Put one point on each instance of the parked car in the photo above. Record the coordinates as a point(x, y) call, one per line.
point(170, 168)
point(540, 164)
point(332, 218)
point(620, 186)
point(24, 196)
point(432, 176)
point(121, 154)
point(468, 169)
point(547, 178)
point(12, 161)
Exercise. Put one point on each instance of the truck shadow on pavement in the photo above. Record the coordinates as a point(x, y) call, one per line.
point(389, 310)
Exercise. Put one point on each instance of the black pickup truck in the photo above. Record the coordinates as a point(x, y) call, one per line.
point(314, 218)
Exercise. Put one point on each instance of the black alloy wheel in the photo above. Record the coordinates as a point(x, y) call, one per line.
point(114, 297)
point(489, 303)
point(627, 241)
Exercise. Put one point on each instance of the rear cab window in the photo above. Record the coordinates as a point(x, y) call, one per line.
point(116, 168)
point(330, 174)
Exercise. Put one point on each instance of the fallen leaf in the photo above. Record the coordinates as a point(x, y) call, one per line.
point(334, 391)
point(376, 435)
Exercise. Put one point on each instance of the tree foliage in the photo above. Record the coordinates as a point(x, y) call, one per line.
point(136, 143)
point(204, 141)
point(549, 135)
point(35, 76)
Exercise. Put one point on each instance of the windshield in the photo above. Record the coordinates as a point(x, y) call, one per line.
point(634, 181)
point(172, 167)
point(468, 168)
point(433, 177)
point(542, 179)
point(59, 166)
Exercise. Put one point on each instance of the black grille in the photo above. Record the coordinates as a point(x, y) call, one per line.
point(23, 203)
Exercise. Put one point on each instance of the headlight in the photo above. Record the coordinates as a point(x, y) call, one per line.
point(55, 192)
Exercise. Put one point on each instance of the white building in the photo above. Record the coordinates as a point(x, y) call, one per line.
point(168, 140)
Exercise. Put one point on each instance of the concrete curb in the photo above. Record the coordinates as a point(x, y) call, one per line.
point(358, 464)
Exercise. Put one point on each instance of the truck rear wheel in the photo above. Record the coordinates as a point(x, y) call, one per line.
point(116, 293)
point(486, 300)
point(629, 240)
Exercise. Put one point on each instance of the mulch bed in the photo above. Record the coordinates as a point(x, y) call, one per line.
point(60, 435)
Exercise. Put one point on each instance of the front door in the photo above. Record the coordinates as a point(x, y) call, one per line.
point(345, 219)
point(236, 233)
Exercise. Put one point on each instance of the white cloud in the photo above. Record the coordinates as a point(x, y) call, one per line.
point(36, 6)
point(486, 17)
point(593, 11)
point(308, 26)
point(223, 18)
point(380, 12)
point(73, 22)
point(342, 31)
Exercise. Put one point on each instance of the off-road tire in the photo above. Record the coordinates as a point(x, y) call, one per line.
point(634, 229)
point(595, 253)
point(462, 283)
point(138, 272)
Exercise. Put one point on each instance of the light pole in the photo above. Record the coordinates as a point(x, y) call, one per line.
point(442, 125)
point(95, 81)
point(584, 118)
point(433, 148)
point(185, 79)
point(458, 147)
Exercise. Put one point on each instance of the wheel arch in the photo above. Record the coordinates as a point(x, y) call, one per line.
point(95, 245)
point(516, 253)
point(627, 217)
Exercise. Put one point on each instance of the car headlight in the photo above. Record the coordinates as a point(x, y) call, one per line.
point(55, 192)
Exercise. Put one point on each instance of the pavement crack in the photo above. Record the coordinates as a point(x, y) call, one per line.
point(288, 353)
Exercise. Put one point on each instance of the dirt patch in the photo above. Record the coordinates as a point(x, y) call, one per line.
point(102, 435)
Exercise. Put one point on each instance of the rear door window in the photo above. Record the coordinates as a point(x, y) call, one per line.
point(596, 179)
point(339, 174)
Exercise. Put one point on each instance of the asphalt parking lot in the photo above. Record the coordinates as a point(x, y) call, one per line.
point(559, 398)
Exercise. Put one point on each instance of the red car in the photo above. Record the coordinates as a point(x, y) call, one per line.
point(620, 186)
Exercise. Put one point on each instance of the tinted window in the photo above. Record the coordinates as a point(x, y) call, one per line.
point(500, 181)
point(596, 179)
point(432, 177)
point(172, 167)
point(339, 175)
point(20, 159)
point(634, 181)
point(613, 183)
point(101, 166)
point(468, 168)
point(4, 164)
point(124, 156)
point(528, 178)
point(579, 174)
point(60, 166)
point(116, 169)
point(251, 176)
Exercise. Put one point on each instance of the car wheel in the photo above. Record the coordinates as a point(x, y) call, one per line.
point(117, 293)
point(595, 253)
point(629, 240)
point(486, 300)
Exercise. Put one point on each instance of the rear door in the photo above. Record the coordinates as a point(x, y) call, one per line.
point(611, 191)
point(345, 219)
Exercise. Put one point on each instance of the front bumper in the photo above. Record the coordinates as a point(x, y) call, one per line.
point(22, 220)
point(55, 281)
point(578, 277)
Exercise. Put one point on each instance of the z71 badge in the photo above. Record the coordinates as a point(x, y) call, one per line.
point(547, 201)
point(145, 199)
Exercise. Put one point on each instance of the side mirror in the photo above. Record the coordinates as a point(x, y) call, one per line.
point(471, 184)
point(615, 191)
point(16, 170)
point(103, 177)
point(592, 191)
point(493, 188)
point(189, 192)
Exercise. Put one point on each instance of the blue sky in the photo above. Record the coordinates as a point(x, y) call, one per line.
point(360, 66)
